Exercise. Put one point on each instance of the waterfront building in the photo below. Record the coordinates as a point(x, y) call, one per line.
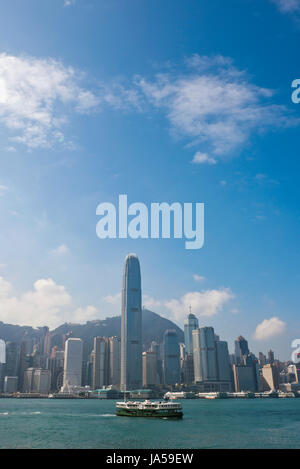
point(270, 377)
point(72, 363)
point(12, 359)
point(205, 355)
point(10, 384)
point(2, 352)
point(131, 325)
point(171, 358)
point(114, 361)
point(100, 356)
point(190, 324)
point(244, 378)
point(223, 361)
point(41, 381)
point(188, 369)
point(150, 377)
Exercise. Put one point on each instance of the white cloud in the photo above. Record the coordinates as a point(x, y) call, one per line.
point(198, 278)
point(210, 104)
point(287, 6)
point(46, 304)
point(3, 189)
point(68, 3)
point(200, 158)
point(213, 105)
point(269, 328)
point(60, 250)
point(206, 303)
point(36, 97)
point(113, 299)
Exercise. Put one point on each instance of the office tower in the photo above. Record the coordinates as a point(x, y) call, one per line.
point(41, 381)
point(150, 377)
point(28, 380)
point(205, 356)
point(131, 325)
point(72, 363)
point(56, 366)
point(244, 378)
point(156, 348)
point(182, 356)
point(190, 324)
point(188, 369)
point(100, 356)
point(171, 358)
point(114, 361)
point(2, 352)
point(23, 364)
point(241, 348)
point(262, 359)
point(270, 377)
point(12, 359)
point(223, 361)
point(10, 384)
point(270, 357)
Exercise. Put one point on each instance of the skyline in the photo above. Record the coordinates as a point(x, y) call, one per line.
point(159, 102)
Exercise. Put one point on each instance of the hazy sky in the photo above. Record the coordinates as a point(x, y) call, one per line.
point(186, 101)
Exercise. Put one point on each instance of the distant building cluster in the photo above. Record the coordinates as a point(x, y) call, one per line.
point(60, 363)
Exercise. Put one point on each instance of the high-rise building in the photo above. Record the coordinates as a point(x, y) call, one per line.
point(72, 363)
point(171, 359)
point(223, 361)
point(10, 384)
point(241, 348)
point(100, 362)
point(2, 351)
point(12, 359)
point(131, 325)
point(244, 378)
point(190, 324)
point(41, 381)
point(150, 377)
point(270, 377)
point(271, 357)
point(114, 361)
point(205, 355)
point(56, 366)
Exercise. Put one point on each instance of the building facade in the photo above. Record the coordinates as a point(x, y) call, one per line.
point(131, 325)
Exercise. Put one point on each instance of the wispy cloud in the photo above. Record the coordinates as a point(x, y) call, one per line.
point(68, 3)
point(60, 250)
point(269, 328)
point(209, 103)
point(3, 189)
point(200, 158)
point(37, 97)
point(287, 6)
point(198, 278)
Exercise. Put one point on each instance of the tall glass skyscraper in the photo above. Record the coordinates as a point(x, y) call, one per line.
point(171, 362)
point(131, 325)
point(190, 324)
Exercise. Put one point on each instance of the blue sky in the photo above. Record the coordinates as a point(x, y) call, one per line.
point(162, 101)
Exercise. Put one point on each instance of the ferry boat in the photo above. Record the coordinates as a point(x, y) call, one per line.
point(158, 409)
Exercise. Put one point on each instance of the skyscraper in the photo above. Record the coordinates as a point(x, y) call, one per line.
point(72, 363)
point(114, 361)
point(171, 361)
point(241, 348)
point(100, 362)
point(131, 325)
point(190, 324)
point(205, 356)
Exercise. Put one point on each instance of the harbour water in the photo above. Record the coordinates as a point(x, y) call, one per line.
point(231, 423)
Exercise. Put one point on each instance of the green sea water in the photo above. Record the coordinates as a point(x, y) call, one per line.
point(232, 423)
